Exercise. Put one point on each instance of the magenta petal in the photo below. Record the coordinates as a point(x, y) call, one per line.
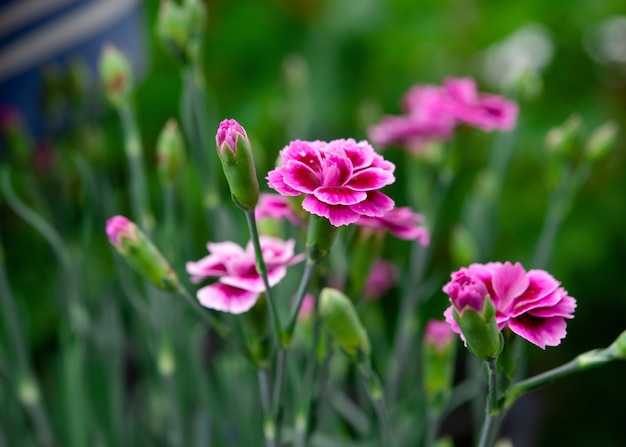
point(337, 170)
point(339, 195)
point(539, 331)
point(207, 267)
point(509, 282)
point(275, 181)
point(300, 177)
point(253, 282)
point(370, 178)
point(306, 152)
point(564, 308)
point(376, 205)
point(226, 298)
point(336, 214)
point(360, 154)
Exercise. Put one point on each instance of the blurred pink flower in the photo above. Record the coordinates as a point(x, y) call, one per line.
point(531, 304)
point(485, 111)
point(438, 334)
point(381, 278)
point(402, 222)
point(239, 285)
point(340, 178)
point(432, 112)
point(275, 206)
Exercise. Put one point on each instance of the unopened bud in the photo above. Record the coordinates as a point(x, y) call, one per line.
point(235, 153)
point(141, 253)
point(439, 353)
point(116, 75)
point(618, 347)
point(338, 314)
point(601, 142)
point(474, 312)
point(564, 141)
point(170, 152)
point(320, 237)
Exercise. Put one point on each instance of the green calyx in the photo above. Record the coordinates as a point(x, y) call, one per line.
point(320, 237)
point(481, 331)
point(240, 171)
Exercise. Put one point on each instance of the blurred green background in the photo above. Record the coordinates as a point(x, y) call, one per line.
point(315, 69)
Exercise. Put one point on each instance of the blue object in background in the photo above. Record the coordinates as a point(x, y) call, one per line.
point(47, 36)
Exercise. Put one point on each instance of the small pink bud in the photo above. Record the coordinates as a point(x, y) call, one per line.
point(118, 227)
point(438, 334)
point(466, 291)
point(227, 134)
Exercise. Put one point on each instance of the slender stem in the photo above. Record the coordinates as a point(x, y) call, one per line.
point(279, 376)
point(375, 392)
point(432, 427)
point(134, 154)
point(261, 268)
point(269, 429)
point(223, 330)
point(302, 419)
point(492, 408)
point(309, 269)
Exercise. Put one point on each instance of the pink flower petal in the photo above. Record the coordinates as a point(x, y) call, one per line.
point(509, 281)
point(339, 195)
point(360, 154)
point(207, 267)
point(254, 282)
point(564, 308)
point(337, 214)
point(376, 205)
point(300, 177)
point(306, 152)
point(337, 170)
point(370, 178)
point(275, 180)
point(539, 331)
point(226, 298)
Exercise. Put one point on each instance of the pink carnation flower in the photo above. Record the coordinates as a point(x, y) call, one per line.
point(485, 111)
point(239, 285)
point(402, 222)
point(531, 304)
point(340, 178)
point(432, 112)
point(275, 206)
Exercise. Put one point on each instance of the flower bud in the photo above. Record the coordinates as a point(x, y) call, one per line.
point(601, 142)
point(474, 312)
point(141, 253)
point(170, 152)
point(338, 314)
point(439, 352)
point(235, 153)
point(116, 75)
point(564, 141)
point(173, 28)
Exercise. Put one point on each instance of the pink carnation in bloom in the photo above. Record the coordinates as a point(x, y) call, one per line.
point(239, 285)
point(432, 112)
point(531, 304)
point(275, 206)
point(381, 278)
point(340, 178)
point(402, 222)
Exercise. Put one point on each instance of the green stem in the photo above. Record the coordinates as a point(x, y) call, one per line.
point(134, 154)
point(269, 427)
point(223, 330)
point(375, 392)
point(309, 269)
point(492, 409)
point(196, 121)
point(261, 268)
